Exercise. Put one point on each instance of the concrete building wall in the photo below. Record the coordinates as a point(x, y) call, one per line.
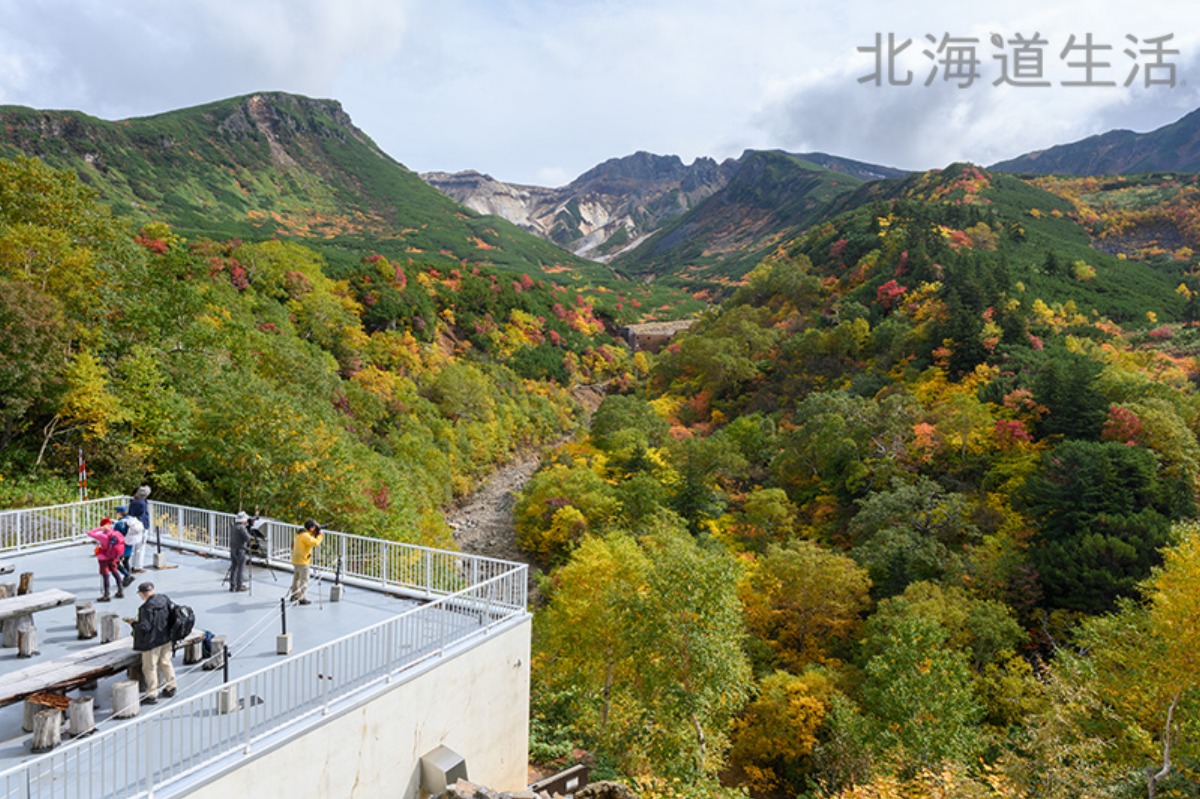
point(475, 702)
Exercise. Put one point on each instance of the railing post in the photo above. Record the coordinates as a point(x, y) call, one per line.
point(325, 679)
point(247, 709)
point(212, 532)
point(383, 563)
point(390, 648)
point(428, 573)
point(151, 752)
point(179, 524)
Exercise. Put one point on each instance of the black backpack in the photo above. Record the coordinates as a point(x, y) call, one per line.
point(180, 622)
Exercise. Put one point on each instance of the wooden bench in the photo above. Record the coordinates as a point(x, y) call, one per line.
point(17, 609)
point(76, 669)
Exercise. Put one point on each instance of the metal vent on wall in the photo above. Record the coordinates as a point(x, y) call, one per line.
point(441, 768)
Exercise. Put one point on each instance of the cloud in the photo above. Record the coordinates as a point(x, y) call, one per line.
point(919, 127)
point(542, 90)
point(126, 57)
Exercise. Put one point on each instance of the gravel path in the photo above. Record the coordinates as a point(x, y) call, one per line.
point(482, 521)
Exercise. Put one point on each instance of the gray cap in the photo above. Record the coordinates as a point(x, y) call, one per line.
point(241, 516)
point(146, 587)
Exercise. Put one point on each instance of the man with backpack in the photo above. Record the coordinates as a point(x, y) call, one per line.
point(152, 636)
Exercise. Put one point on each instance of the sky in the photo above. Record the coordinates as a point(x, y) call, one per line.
point(539, 91)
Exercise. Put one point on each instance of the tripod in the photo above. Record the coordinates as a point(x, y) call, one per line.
point(248, 554)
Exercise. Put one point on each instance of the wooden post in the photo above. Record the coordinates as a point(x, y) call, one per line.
point(81, 716)
point(193, 652)
point(217, 659)
point(7, 590)
point(8, 630)
point(111, 627)
point(26, 586)
point(85, 621)
point(47, 730)
point(126, 702)
point(31, 709)
point(27, 641)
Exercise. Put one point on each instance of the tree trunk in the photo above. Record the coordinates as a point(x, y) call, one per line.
point(47, 730)
point(81, 715)
point(85, 621)
point(27, 641)
point(1152, 777)
point(110, 627)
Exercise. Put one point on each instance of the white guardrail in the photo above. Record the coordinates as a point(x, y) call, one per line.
point(467, 595)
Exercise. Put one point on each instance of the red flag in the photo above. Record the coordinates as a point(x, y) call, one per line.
point(83, 492)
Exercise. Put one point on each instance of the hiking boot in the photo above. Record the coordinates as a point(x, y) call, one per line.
point(150, 700)
point(127, 581)
point(169, 693)
point(120, 593)
point(304, 602)
point(105, 598)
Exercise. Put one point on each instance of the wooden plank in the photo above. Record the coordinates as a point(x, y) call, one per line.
point(32, 603)
point(74, 669)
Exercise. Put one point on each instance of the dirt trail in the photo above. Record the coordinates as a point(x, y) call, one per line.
point(482, 521)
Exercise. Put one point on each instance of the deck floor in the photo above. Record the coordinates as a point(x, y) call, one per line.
point(249, 620)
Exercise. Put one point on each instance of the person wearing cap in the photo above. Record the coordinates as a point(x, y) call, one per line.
point(152, 637)
point(239, 543)
point(140, 510)
point(303, 545)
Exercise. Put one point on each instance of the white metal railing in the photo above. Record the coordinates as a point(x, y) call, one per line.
point(473, 595)
point(387, 565)
point(33, 528)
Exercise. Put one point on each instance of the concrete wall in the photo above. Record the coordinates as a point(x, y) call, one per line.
point(476, 703)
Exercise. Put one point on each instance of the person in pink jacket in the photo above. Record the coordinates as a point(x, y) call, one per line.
point(110, 545)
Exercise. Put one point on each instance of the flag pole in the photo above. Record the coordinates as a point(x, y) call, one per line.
point(83, 489)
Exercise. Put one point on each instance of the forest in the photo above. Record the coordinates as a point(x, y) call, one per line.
point(909, 514)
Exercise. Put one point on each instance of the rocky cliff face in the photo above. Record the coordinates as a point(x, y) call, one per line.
point(604, 212)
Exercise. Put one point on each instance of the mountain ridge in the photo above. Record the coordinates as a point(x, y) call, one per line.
point(1174, 147)
point(271, 164)
point(610, 211)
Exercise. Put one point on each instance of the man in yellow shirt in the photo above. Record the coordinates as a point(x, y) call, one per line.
point(302, 548)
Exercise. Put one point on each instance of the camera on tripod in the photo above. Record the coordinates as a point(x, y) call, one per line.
point(257, 548)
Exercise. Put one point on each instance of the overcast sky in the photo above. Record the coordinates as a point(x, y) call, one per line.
point(539, 91)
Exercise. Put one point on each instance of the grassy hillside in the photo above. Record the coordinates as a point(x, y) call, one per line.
point(1034, 242)
point(278, 165)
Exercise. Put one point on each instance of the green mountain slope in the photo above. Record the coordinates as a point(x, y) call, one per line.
point(772, 197)
point(1171, 148)
point(274, 165)
point(958, 224)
